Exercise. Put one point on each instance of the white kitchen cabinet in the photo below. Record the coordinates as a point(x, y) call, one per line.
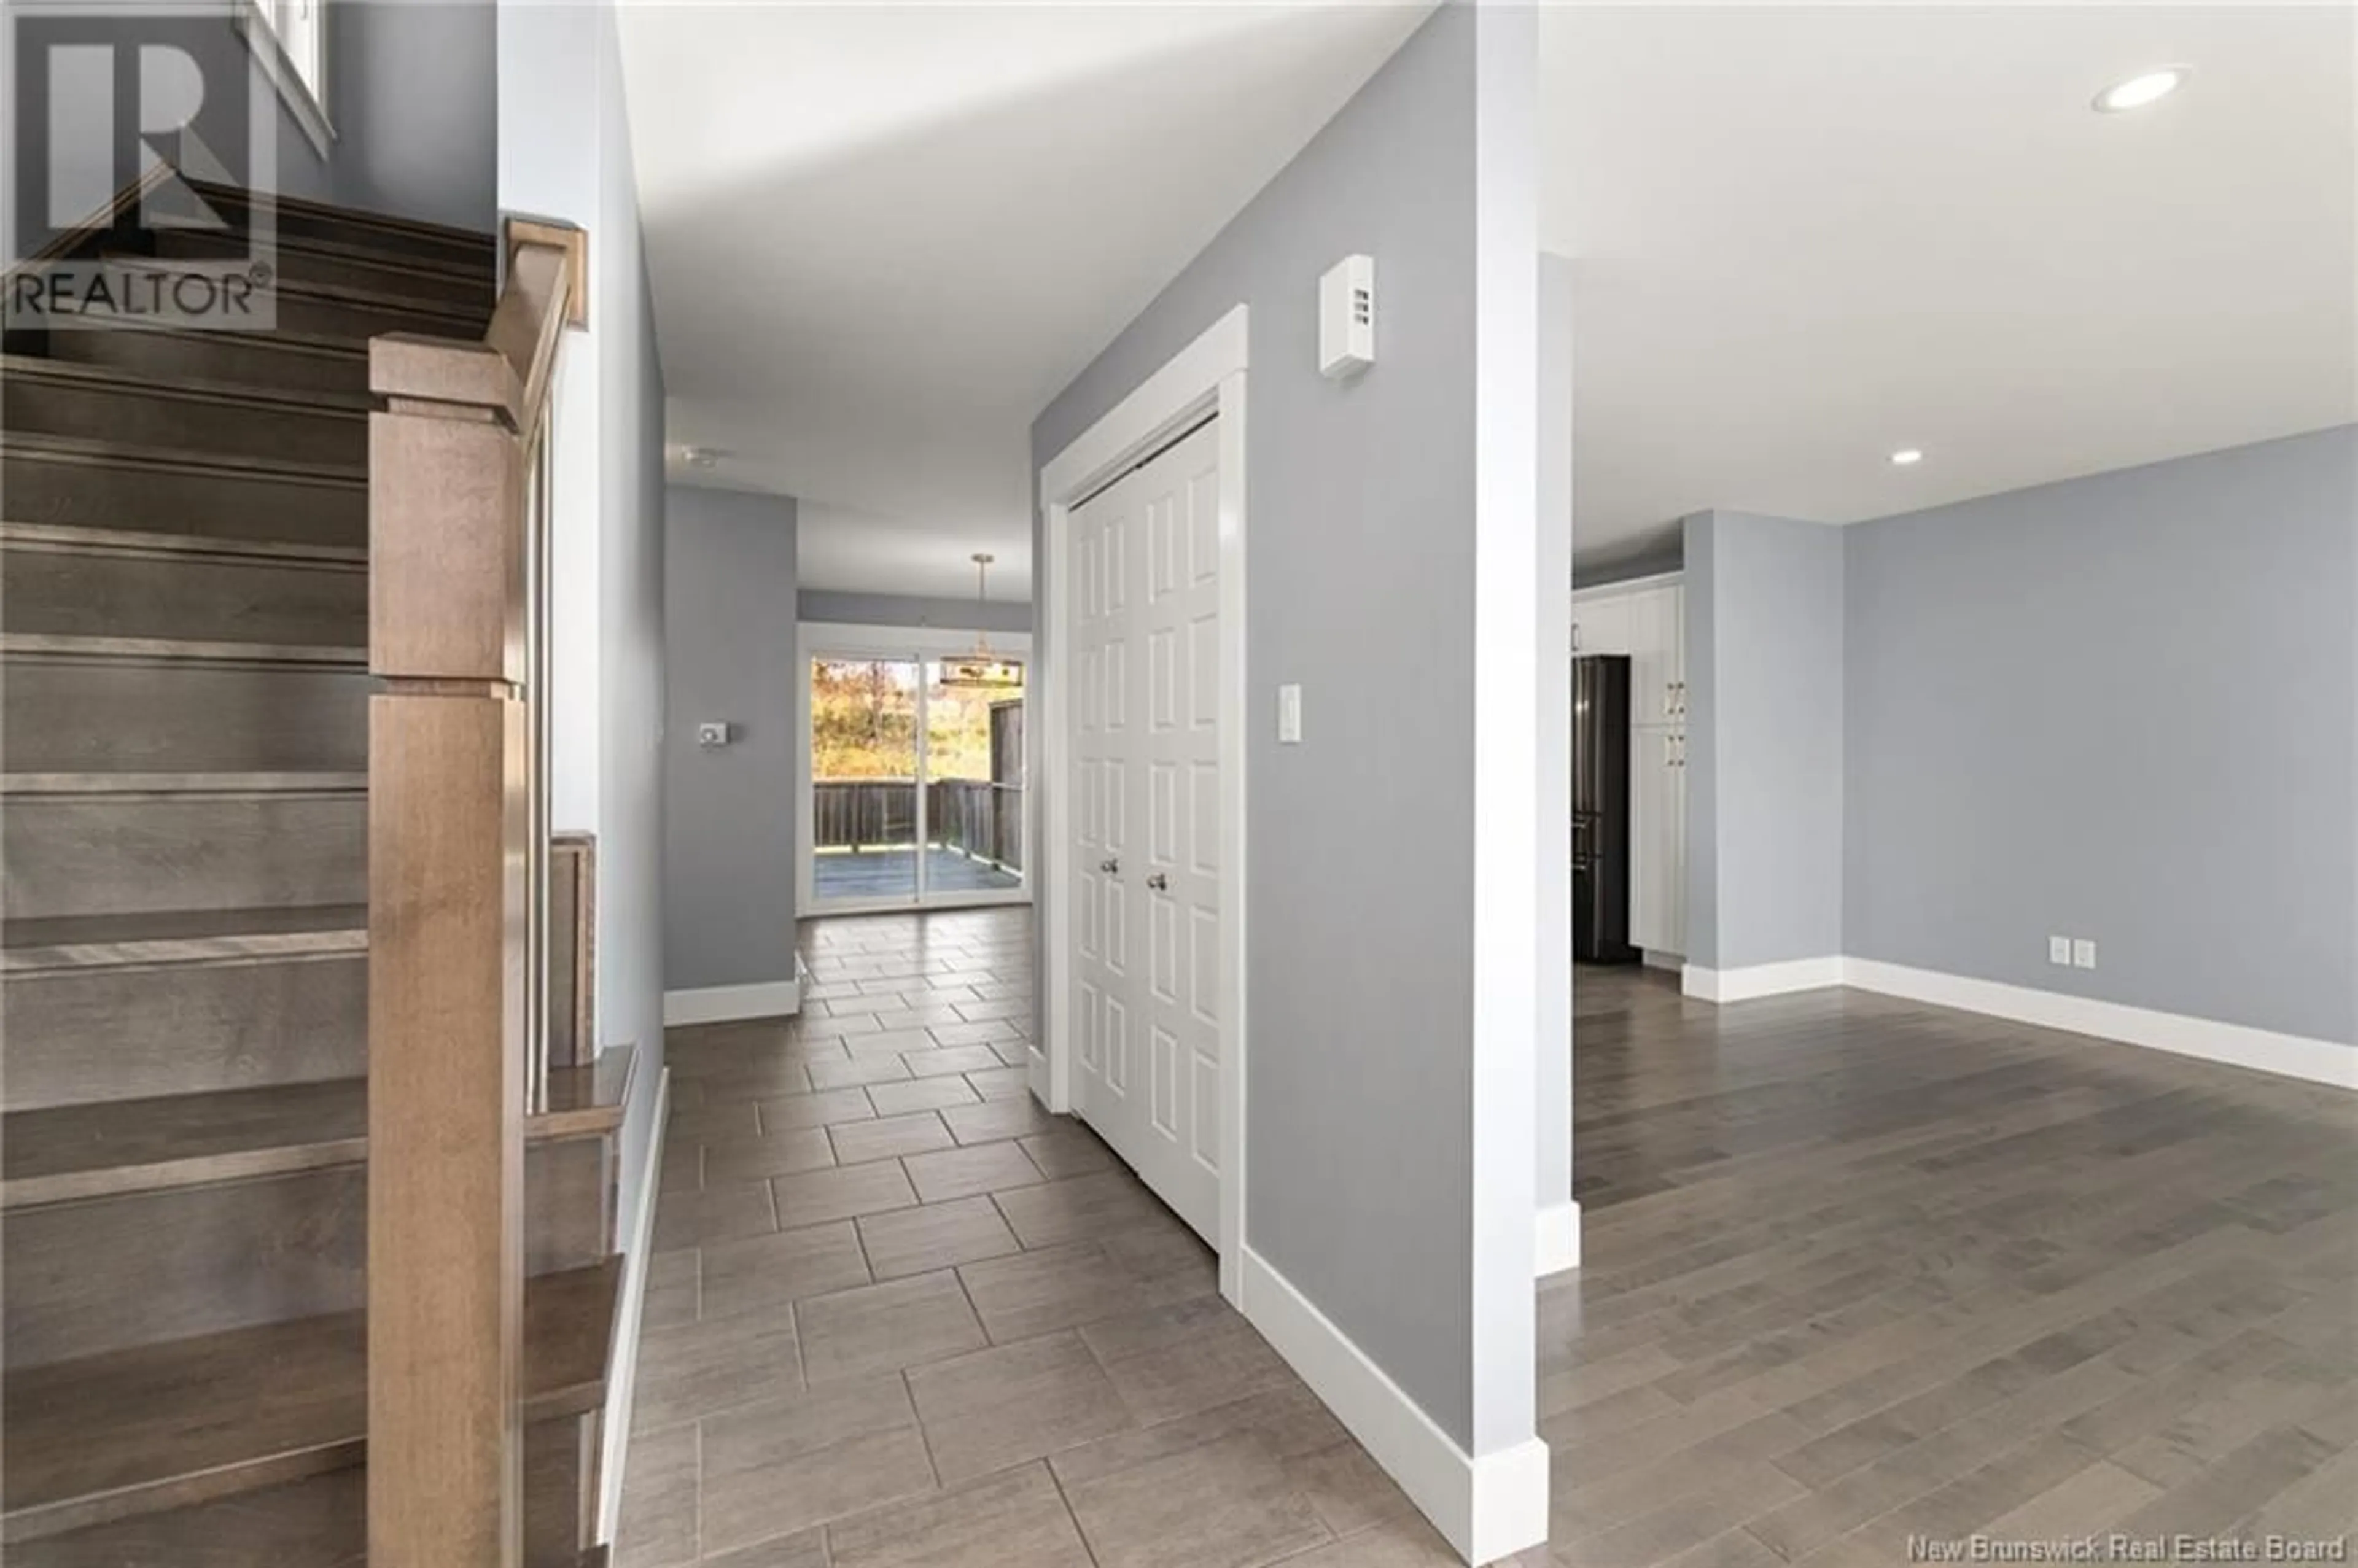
point(1646, 620)
point(1601, 626)
point(1658, 815)
point(1656, 655)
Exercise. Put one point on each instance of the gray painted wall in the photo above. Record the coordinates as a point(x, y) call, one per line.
point(631, 619)
point(910, 610)
point(1765, 618)
point(729, 825)
point(412, 92)
point(564, 153)
point(2123, 708)
point(1362, 589)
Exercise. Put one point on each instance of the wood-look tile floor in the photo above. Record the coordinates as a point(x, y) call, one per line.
point(898, 1315)
point(1857, 1271)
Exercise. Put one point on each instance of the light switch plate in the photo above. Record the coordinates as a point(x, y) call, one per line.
point(2084, 953)
point(2058, 950)
point(1289, 715)
point(709, 734)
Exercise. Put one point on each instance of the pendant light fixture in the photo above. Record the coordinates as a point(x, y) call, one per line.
point(981, 669)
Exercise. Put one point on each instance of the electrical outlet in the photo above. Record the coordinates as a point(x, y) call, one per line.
point(2084, 953)
point(2058, 950)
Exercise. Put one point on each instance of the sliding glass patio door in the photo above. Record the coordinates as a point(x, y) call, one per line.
point(917, 785)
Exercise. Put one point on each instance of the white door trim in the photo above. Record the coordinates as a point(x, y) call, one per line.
point(1207, 377)
point(820, 638)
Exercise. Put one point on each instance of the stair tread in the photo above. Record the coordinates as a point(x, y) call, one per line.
point(130, 541)
point(338, 345)
point(82, 941)
point(99, 1149)
point(20, 644)
point(469, 240)
point(589, 1098)
point(181, 650)
point(172, 1424)
point(92, 449)
point(38, 368)
point(96, 1150)
point(333, 293)
point(452, 269)
point(28, 785)
point(319, 1522)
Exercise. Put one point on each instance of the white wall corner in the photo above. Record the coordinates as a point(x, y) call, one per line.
point(622, 1386)
point(1559, 1238)
point(1487, 1508)
point(725, 1004)
point(1761, 980)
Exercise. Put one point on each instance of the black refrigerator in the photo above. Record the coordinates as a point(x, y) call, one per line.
point(1600, 809)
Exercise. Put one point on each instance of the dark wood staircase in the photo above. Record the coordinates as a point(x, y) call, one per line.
point(184, 860)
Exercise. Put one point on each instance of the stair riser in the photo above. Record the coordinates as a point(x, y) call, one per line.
point(292, 308)
point(395, 241)
point(62, 407)
point(561, 1499)
point(418, 278)
point(342, 318)
point(102, 1034)
point(249, 361)
point(93, 593)
point(44, 487)
point(85, 1278)
point(90, 1277)
point(138, 855)
point(73, 715)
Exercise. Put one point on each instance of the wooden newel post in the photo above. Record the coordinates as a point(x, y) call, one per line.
point(448, 780)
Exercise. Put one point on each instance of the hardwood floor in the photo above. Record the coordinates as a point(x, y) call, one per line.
point(1858, 1271)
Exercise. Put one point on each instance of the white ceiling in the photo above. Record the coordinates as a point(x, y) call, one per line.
point(1806, 237)
point(882, 236)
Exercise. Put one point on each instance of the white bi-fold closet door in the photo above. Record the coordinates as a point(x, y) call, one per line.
point(1146, 821)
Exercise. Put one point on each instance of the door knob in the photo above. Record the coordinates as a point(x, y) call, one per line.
point(1159, 882)
point(1110, 868)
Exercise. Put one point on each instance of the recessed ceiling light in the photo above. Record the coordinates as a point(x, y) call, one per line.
point(1907, 457)
point(2145, 87)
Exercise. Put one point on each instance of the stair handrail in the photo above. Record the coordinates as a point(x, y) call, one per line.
point(454, 443)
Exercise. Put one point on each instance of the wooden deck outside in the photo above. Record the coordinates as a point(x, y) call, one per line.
point(892, 873)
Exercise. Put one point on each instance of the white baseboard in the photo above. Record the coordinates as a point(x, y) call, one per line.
point(623, 1376)
point(2288, 1055)
point(1760, 979)
point(1559, 1238)
point(724, 1004)
point(1488, 1508)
